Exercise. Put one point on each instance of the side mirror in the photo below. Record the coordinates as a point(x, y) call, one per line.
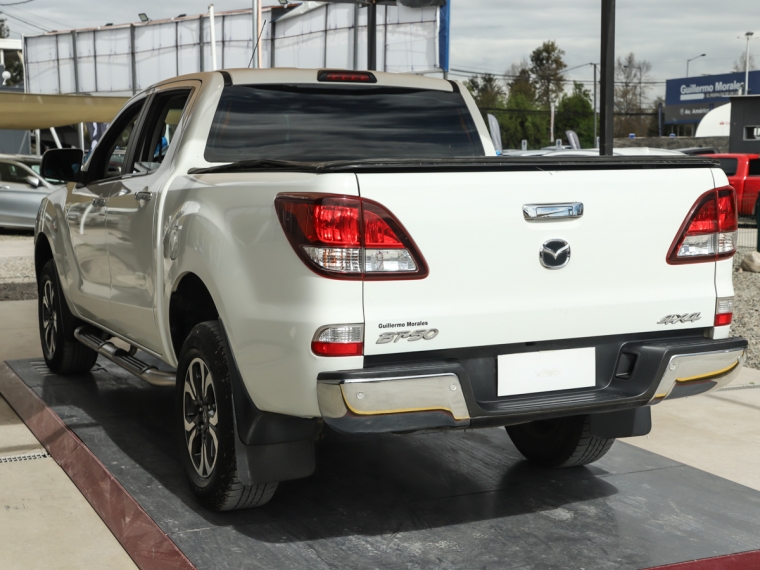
point(62, 164)
point(33, 181)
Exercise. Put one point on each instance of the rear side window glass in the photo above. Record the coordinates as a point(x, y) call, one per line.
point(336, 122)
point(159, 129)
point(729, 165)
point(754, 167)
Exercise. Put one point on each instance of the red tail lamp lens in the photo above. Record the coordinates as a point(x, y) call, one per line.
point(377, 232)
point(723, 319)
point(705, 220)
point(728, 218)
point(337, 349)
point(345, 237)
point(710, 231)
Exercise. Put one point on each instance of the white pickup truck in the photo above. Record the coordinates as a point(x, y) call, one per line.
point(294, 248)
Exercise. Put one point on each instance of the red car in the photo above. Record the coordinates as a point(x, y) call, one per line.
point(743, 171)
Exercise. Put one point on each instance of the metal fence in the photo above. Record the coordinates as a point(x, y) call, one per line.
point(747, 235)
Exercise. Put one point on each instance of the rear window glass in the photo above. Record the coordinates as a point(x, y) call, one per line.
point(729, 165)
point(754, 167)
point(336, 122)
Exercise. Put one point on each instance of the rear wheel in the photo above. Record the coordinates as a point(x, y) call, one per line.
point(561, 442)
point(63, 353)
point(205, 415)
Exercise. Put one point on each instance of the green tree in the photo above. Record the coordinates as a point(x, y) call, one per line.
point(546, 65)
point(523, 121)
point(4, 30)
point(486, 91)
point(520, 81)
point(631, 87)
point(575, 112)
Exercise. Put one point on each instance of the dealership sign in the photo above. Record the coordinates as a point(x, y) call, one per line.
point(709, 88)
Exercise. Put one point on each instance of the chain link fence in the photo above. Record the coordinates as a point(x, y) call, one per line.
point(747, 235)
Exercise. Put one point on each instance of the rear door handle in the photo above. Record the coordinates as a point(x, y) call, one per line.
point(541, 212)
point(143, 196)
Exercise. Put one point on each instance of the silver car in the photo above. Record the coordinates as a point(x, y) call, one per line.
point(21, 190)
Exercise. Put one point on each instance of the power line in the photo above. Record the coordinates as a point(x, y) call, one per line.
point(25, 22)
point(37, 16)
point(17, 3)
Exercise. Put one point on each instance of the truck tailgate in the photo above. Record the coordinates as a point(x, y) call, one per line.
point(486, 284)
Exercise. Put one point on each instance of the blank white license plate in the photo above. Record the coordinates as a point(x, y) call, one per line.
point(546, 371)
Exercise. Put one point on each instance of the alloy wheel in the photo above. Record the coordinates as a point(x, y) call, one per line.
point(49, 316)
point(199, 411)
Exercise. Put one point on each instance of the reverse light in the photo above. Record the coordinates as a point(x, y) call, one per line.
point(724, 311)
point(710, 231)
point(339, 340)
point(346, 237)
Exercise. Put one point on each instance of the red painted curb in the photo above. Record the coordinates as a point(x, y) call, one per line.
point(141, 537)
point(743, 561)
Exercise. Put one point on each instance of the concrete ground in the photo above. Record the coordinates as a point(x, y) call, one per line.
point(47, 522)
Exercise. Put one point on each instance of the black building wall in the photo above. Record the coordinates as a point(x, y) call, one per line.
point(745, 125)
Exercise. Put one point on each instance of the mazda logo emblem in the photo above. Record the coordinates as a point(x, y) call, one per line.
point(554, 254)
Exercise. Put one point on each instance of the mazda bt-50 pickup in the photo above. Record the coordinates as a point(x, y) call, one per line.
point(296, 249)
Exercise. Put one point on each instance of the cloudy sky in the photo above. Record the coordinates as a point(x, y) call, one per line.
point(489, 35)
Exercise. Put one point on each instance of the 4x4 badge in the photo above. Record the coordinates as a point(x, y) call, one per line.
point(675, 319)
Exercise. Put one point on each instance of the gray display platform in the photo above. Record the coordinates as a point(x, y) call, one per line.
point(431, 500)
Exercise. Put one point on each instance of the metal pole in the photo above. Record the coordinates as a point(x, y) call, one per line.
point(76, 61)
point(551, 122)
point(38, 136)
point(212, 31)
point(81, 135)
point(55, 137)
point(746, 65)
point(607, 86)
point(258, 21)
point(133, 63)
point(372, 36)
point(595, 118)
point(356, 38)
point(254, 31)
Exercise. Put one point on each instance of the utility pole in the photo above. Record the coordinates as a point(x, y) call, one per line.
point(372, 35)
point(748, 35)
point(607, 87)
point(212, 29)
point(595, 119)
point(255, 30)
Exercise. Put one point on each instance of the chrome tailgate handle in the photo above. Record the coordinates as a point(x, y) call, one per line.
point(540, 212)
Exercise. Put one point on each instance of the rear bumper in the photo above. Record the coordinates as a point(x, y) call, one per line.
point(458, 393)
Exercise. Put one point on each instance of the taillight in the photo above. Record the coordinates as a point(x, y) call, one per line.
point(710, 230)
point(346, 76)
point(724, 311)
point(345, 237)
point(339, 340)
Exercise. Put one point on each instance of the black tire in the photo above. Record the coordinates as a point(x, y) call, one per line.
point(206, 424)
point(63, 353)
point(561, 442)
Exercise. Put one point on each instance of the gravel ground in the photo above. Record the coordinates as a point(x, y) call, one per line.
point(746, 321)
point(16, 235)
point(17, 280)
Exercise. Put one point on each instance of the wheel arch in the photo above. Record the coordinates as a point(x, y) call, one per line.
point(43, 252)
point(191, 303)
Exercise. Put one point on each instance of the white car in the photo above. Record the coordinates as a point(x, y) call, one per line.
point(304, 248)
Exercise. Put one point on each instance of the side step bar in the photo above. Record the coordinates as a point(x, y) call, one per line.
point(88, 336)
